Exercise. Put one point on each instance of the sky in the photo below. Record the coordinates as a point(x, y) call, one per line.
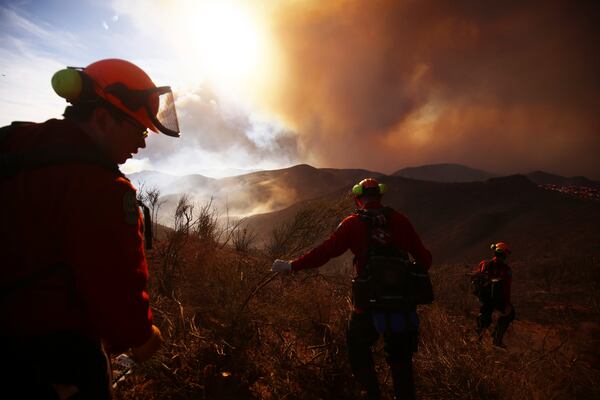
point(507, 87)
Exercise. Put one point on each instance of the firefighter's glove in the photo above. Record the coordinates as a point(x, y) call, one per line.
point(281, 266)
point(144, 352)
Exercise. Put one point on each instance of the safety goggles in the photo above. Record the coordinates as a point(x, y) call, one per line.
point(142, 129)
point(158, 103)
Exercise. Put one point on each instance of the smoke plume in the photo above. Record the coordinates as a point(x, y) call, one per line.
point(504, 86)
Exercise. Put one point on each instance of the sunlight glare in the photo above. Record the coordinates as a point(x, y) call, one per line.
point(225, 40)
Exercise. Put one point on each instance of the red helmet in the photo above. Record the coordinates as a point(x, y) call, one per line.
point(369, 186)
point(500, 248)
point(125, 86)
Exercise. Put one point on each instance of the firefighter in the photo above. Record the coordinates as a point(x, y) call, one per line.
point(73, 272)
point(494, 292)
point(372, 226)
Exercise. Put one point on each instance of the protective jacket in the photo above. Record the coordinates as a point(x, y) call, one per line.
point(498, 269)
point(81, 222)
point(353, 234)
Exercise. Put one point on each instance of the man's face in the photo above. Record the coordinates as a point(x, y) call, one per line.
point(121, 135)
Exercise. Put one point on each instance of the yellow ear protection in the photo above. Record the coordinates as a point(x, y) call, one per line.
point(358, 190)
point(76, 86)
point(73, 85)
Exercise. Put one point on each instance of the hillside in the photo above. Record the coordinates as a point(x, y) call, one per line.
point(267, 191)
point(545, 178)
point(444, 173)
point(460, 173)
point(235, 330)
point(458, 221)
point(277, 189)
point(253, 193)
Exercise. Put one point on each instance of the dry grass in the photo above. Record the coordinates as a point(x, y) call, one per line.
point(548, 360)
point(234, 330)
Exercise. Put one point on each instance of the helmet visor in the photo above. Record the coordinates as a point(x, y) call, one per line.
point(165, 116)
point(158, 103)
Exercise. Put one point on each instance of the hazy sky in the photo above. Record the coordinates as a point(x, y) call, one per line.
point(507, 86)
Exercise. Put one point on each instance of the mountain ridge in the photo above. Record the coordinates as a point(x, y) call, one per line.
point(458, 221)
point(444, 172)
point(263, 192)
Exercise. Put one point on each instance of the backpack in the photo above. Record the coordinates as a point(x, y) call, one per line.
point(389, 281)
point(484, 286)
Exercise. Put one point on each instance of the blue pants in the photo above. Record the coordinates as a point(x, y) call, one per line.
point(400, 335)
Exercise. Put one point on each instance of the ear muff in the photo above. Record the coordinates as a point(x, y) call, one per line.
point(72, 84)
point(357, 190)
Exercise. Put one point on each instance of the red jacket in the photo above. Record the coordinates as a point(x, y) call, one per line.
point(352, 233)
point(498, 269)
point(84, 216)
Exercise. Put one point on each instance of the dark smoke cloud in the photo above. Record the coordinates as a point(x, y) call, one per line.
point(504, 86)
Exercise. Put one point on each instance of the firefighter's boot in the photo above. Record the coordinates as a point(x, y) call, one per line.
point(501, 328)
point(498, 334)
point(367, 379)
point(402, 376)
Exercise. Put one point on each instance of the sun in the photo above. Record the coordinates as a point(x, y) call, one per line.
point(223, 41)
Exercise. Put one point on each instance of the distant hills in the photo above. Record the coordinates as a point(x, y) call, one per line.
point(461, 173)
point(458, 210)
point(265, 191)
point(545, 178)
point(253, 193)
point(458, 221)
point(444, 173)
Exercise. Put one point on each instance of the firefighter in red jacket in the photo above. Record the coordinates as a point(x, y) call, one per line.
point(372, 224)
point(495, 295)
point(73, 269)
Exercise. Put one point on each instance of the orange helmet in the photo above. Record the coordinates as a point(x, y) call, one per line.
point(369, 186)
point(500, 248)
point(125, 86)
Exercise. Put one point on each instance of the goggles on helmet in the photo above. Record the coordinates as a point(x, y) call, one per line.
point(126, 117)
point(158, 102)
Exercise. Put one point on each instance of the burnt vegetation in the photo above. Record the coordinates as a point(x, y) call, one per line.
point(235, 330)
